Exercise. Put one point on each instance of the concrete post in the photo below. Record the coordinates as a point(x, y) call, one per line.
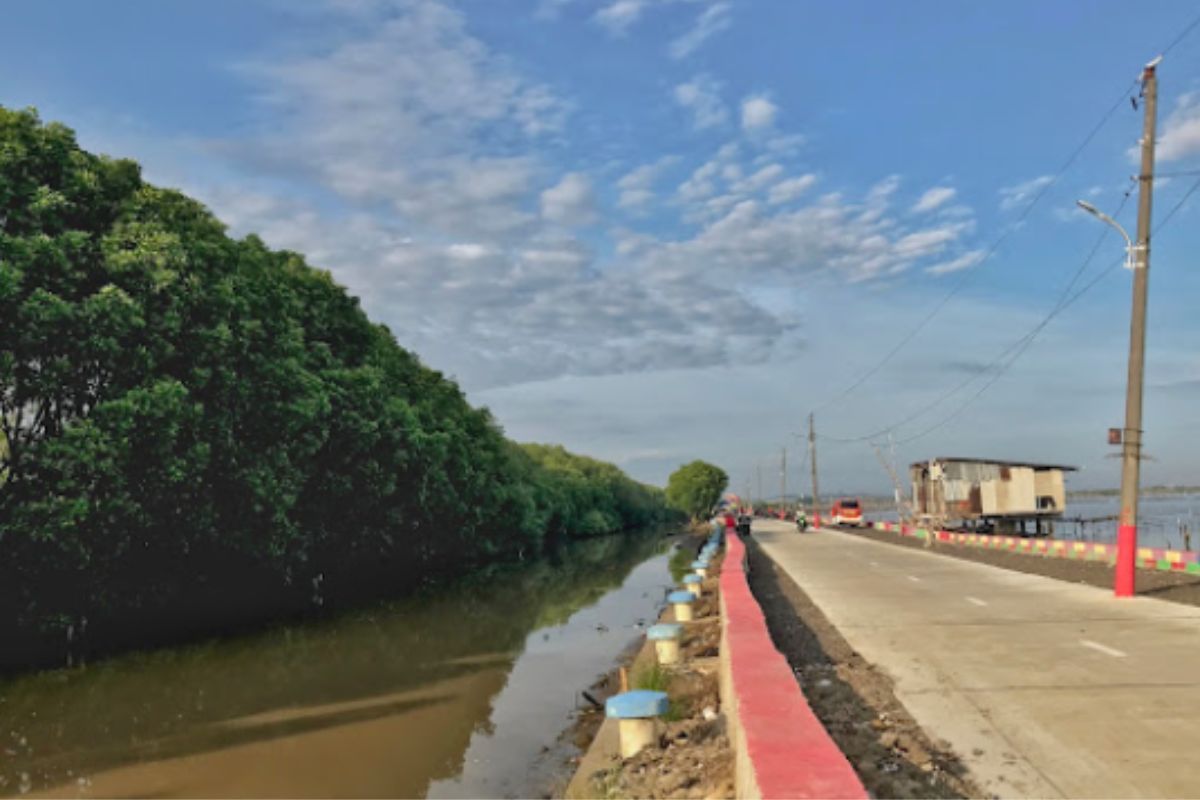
point(635, 713)
point(666, 638)
point(682, 602)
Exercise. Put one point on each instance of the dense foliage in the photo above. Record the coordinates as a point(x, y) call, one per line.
point(696, 487)
point(199, 430)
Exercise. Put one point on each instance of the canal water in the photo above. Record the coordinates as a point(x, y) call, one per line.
point(460, 693)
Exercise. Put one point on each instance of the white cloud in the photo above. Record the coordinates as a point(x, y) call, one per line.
point(570, 201)
point(701, 96)
point(930, 241)
point(455, 224)
point(787, 190)
point(758, 180)
point(617, 16)
point(700, 184)
point(710, 22)
point(881, 192)
point(1180, 136)
point(468, 251)
point(1018, 195)
point(758, 113)
point(934, 198)
point(965, 261)
point(393, 114)
point(637, 186)
point(742, 240)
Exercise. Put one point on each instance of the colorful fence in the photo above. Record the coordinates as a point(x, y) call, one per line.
point(1147, 557)
point(780, 747)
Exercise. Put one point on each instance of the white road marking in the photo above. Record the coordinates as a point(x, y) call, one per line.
point(976, 601)
point(1108, 651)
point(914, 579)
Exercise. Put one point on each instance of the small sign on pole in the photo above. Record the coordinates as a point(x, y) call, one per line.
point(1114, 435)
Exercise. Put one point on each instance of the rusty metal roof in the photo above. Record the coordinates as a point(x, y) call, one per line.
point(997, 462)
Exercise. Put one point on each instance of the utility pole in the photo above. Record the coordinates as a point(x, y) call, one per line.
point(890, 467)
point(1125, 581)
point(812, 449)
point(783, 478)
point(758, 469)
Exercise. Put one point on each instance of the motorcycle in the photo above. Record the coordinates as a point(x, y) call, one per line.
point(801, 524)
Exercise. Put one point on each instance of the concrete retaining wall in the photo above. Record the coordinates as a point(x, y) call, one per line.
point(1147, 557)
point(780, 747)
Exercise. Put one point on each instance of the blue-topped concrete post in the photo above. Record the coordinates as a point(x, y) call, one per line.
point(635, 713)
point(682, 602)
point(700, 566)
point(666, 636)
point(692, 584)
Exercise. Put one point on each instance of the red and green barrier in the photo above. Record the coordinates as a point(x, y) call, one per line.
point(1147, 557)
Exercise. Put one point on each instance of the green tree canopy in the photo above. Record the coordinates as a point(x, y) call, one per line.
point(695, 488)
point(198, 431)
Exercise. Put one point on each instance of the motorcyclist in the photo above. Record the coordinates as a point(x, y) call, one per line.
point(801, 521)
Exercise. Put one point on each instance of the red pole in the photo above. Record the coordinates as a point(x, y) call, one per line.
point(1123, 586)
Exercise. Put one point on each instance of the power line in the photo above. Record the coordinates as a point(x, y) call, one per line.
point(966, 276)
point(988, 367)
point(1191, 26)
point(962, 282)
point(1032, 335)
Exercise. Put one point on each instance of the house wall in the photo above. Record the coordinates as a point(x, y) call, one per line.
point(1049, 483)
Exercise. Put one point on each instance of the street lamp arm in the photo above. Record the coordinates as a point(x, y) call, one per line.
point(1105, 218)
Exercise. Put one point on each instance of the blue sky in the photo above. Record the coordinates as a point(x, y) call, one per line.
point(654, 230)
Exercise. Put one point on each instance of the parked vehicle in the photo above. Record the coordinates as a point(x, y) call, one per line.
point(743, 524)
point(847, 511)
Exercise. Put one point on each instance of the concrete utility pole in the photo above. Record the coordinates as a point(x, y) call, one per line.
point(783, 477)
point(1125, 582)
point(758, 469)
point(812, 448)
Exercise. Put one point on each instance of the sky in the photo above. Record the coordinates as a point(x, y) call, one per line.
point(660, 230)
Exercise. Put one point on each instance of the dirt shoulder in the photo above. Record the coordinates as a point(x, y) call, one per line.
point(1175, 587)
point(692, 756)
point(855, 702)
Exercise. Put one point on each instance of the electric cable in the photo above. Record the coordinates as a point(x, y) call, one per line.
point(1032, 335)
point(966, 276)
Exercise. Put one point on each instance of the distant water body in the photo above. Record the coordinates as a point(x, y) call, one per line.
point(1161, 520)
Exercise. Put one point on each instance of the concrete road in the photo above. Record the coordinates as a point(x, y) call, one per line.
point(1044, 688)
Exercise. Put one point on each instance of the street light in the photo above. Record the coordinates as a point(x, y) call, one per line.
point(1138, 258)
point(1130, 247)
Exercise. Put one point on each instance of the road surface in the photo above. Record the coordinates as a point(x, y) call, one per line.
point(1042, 687)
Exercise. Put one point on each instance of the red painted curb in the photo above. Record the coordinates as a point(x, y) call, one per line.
point(790, 751)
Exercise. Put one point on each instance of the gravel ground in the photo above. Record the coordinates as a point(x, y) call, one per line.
point(1173, 586)
point(692, 757)
point(855, 702)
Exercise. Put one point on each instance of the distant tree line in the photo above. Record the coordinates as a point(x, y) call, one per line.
point(198, 431)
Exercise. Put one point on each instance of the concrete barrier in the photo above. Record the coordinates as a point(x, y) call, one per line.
point(780, 747)
point(1147, 557)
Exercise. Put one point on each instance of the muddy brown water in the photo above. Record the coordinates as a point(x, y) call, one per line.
point(460, 693)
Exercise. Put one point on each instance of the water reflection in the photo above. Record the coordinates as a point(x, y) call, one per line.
point(376, 703)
